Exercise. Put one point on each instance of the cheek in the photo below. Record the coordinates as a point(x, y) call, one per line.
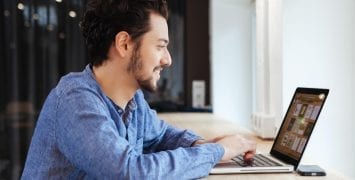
point(151, 60)
point(146, 67)
point(153, 53)
point(150, 57)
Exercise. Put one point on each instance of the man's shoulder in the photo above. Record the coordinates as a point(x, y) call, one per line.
point(76, 91)
point(73, 80)
point(76, 81)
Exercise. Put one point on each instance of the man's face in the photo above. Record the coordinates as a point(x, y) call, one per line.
point(151, 54)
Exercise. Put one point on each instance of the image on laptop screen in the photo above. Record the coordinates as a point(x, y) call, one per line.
point(298, 125)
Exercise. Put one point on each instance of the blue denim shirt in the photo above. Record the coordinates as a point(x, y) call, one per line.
point(82, 134)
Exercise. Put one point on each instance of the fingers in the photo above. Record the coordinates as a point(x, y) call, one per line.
point(235, 145)
point(249, 146)
point(249, 155)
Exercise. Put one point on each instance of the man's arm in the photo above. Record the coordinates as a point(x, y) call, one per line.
point(165, 137)
point(159, 135)
point(89, 139)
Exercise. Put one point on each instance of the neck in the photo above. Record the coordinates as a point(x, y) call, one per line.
point(116, 82)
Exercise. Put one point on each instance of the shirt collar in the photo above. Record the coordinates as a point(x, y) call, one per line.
point(131, 105)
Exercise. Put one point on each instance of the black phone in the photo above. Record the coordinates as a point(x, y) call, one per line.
point(310, 170)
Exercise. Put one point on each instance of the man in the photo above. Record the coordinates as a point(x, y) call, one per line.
point(96, 123)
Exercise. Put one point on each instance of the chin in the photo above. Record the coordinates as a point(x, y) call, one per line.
point(150, 84)
point(149, 87)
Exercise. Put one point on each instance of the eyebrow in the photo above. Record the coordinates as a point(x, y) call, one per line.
point(164, 40)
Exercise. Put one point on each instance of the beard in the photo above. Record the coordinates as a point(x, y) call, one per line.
point(136, 65)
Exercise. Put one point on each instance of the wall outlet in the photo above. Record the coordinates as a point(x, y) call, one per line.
point(198, 93)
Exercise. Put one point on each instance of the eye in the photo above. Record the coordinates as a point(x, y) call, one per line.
point(161, 47)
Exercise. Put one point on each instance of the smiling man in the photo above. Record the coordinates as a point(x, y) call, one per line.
point(95, 124)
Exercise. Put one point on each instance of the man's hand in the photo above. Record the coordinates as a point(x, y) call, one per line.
point(235, 145)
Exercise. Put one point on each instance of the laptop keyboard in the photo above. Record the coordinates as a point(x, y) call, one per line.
point(259, 160)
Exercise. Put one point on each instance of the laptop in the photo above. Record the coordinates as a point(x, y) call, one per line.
point(291, 139)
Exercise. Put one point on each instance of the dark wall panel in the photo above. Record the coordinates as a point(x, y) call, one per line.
point(36, 37)
point(197, 64)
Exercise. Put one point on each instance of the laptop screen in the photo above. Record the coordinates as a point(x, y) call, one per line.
point(298, 124)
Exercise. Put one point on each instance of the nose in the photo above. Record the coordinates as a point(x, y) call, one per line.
point(166, 59)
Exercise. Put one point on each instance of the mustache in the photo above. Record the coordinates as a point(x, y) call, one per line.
point(160, 68)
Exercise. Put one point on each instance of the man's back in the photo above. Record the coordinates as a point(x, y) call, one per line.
point(44, 157)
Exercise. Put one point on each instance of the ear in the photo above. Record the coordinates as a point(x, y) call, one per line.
point(123, 43)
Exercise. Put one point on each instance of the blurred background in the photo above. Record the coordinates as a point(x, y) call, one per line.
point(40, 41)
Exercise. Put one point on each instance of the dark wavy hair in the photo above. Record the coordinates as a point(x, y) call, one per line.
point(103, 19)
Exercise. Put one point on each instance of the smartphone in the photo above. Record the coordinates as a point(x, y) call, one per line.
point(310, 170)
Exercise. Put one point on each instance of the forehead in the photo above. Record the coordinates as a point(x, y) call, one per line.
point(158, 28)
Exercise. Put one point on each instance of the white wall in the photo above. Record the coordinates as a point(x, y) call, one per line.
point(231, 55)
point(319, 51)
point(353, 103)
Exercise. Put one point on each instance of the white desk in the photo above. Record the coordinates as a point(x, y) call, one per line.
point(208, 126)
